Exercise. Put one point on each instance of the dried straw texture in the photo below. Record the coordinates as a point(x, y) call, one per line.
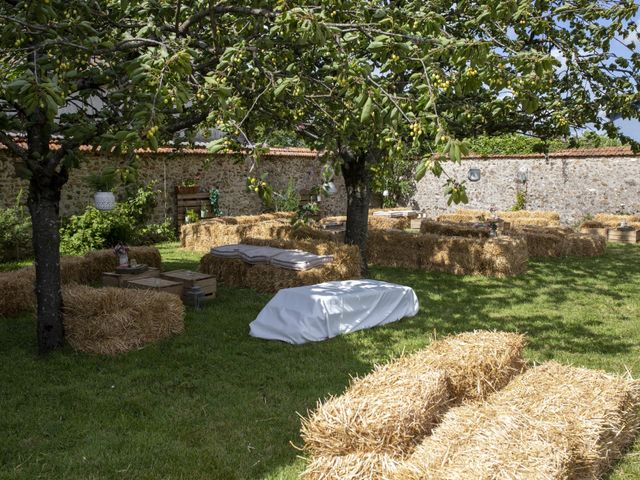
point(353, 466)
point(611, 220)
point(202, 236)
point(100, 261)
point(109, 321)
point(552, 422)
point(390, 409)
point(473, 212)
point(499, 257)
point(592, 224)
point(560, 242)
point(540, 243)
point(511, 215)
point(17, 291)
point(269, 279)
point(460, 218)
point(583, 245)
point(251, 219)
point(74, 270)
point(533, 222)
point(453, 229)
point(375, 221)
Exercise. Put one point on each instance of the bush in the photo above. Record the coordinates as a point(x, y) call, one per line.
point(127, 223)
point(15, 232)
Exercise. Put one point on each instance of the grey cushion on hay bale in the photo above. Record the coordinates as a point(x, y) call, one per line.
point(318, 312)
point(254, 254)
point(299, 260)
point(227, 251)
point(396, 213)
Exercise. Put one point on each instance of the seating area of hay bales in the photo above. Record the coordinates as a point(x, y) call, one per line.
point(110, 321)
point(560, 242)
point(496, 257)
point(266, 278)
point(551, 421)
point(515, 218)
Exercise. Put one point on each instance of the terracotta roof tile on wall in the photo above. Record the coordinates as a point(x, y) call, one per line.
point(568, 153)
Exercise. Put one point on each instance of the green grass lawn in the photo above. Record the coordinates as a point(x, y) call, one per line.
point(214, 403)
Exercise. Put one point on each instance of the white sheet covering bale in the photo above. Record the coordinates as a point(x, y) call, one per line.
point(318, 312)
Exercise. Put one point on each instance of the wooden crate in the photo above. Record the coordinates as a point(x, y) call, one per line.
point(623, 236)
point(190, 279)
point(157, 284)
point(112, 279)
point(416, 223)
point(603, 232)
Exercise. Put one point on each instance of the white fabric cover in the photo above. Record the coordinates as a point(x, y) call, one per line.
point(227, 251)
point(256, 254)
point(299, 260)
point(318, 312)
point(395, 213)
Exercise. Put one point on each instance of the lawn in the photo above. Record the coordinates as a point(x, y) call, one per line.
point(214, 403)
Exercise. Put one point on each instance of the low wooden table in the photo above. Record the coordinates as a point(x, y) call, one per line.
point(157, 284)
point(190, 279)
point(112, 279)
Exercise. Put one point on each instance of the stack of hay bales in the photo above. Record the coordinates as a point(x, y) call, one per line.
point(613, 221)
point(560, 242)
point(375, 222)
point(202, 236)
point(453, 229)
point(267, 278)
point(594, 227)
point(531, 218)
point(17, 288)
point(498, 257)
point(552, 422)
point(109, 321)
point(382, 417)
point(462, 217)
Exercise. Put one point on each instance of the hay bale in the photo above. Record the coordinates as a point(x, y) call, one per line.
point(552, 422)
point(499, 257)
point(100, 261)
point(519, 214)
point(17, 291)
point(592, 224)
point(387, 223)
point(583, 245)
point(109, 321)
point(540, 243)
point(454, 229)
point(390, 409)
point(470, 212)
point(202, 236)
point(266, 278)
point(74, 270)
point(460, 218)
point(353, 466)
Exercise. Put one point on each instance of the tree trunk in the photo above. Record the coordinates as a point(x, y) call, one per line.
point(355, 170)
point(44, 205)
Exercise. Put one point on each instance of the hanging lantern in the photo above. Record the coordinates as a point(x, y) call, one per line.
point(474, 174)
point(330, 188)
point(104, 200)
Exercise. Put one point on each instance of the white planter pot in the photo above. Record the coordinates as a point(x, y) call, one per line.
point(105, 200)
point(330, 188)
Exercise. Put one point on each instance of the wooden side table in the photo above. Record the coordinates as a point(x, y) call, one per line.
point(112, 279)
point(190, 279)
point(157, 284)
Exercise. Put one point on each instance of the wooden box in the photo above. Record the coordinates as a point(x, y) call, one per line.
point(190, 279)
point(112, 279)
point(623, 236)
point(157, 284)
point(416, 223)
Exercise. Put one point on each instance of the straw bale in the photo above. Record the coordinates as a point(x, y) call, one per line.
point(540, 243)
point(453, 229)
point(532, 222)
point(17, 291)
point(353, 466)
point(500, 257)
point(473, 212)
point(74, 270)
point(592, 224)
point(109, 321)
point(615, 219)
point(387, 223)
point(460, 218)
point(100, 261)
point(202, 236)
point(519, 214)
point(266, 278)
point(552, 422)
point(306, 232)
point(390, 409)
point(250, 219)
point(583, 245)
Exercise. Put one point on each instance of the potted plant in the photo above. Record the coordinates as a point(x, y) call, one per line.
point(190, 216)
point(103, 183)
point(188, 185)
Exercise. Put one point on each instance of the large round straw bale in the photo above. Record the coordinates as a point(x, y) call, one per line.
point(17, 291)
point(109, 321)
point(353, 466)
point(389, 411)
point(553, 422)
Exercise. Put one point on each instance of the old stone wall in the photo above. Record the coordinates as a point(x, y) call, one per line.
point(227, 173)
point(575, 186)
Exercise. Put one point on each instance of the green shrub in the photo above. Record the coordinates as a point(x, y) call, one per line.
point(127, 223)
point(15, 232)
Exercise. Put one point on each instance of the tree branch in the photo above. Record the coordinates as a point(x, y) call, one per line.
point(13, 146)
point(201, 15)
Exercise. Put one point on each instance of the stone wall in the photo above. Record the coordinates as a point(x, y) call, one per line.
point(228, 173)
point(575, 184)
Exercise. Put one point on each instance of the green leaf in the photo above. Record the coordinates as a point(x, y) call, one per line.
point(421, 170)
point(366, 110)
point(216, 145)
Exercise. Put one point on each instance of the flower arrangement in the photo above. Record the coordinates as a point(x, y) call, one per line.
point(122, 251)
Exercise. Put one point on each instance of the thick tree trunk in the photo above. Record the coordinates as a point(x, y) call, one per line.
point(355, 170)
point(44, 205)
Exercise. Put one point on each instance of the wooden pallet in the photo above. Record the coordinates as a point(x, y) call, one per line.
point(121, 280)
point(189, 201)
point(157, 284)
point(623, 236)
point(190, 279)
